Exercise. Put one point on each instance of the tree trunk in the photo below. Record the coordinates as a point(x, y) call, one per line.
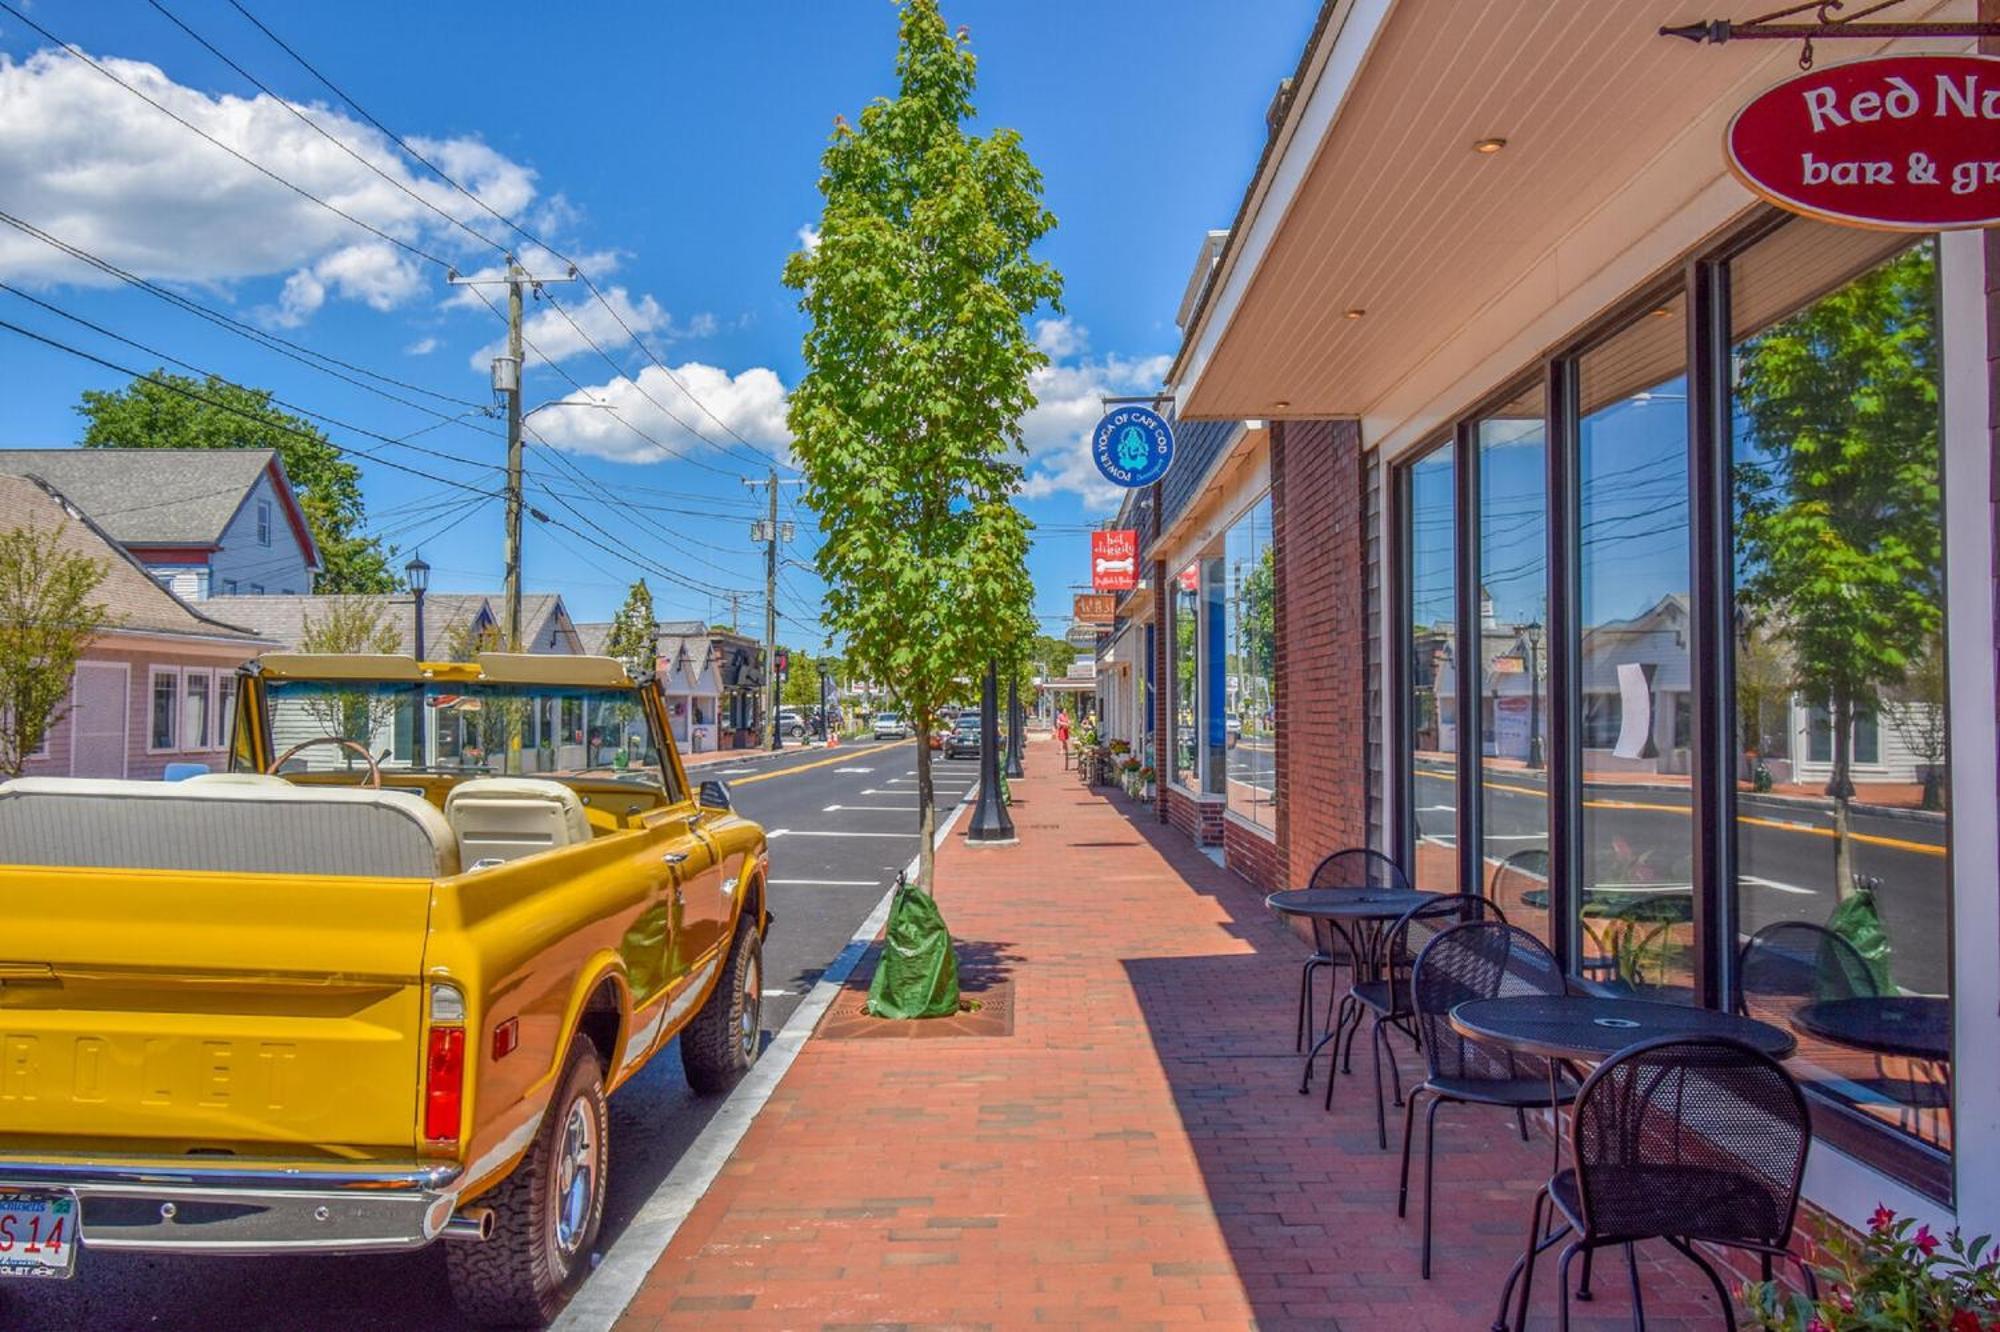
point(1840, 786)
point(926, 805)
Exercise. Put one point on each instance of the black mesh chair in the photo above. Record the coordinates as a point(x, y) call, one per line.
point(1795, 962)
point(1484, 959)
point(1385, 994)
point(1359, 869)
point(1682, 1140)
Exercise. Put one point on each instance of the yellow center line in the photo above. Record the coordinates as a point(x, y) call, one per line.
point(1870, 839)
point(816, 763)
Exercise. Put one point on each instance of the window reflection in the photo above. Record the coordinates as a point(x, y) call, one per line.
point(1842, 840)
point(1632, 926)
point(1186, 602)
point(1431, 690)
point(1513, 686)
point(1250, 643)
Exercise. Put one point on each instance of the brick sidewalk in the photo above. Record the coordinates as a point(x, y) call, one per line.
point(1134, 1153)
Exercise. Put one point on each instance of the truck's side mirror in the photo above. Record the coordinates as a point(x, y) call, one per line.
point(714, 794)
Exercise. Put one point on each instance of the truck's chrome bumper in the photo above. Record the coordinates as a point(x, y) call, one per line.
point(238, 1206)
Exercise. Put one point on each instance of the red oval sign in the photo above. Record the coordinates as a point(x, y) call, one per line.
point(1905, 143)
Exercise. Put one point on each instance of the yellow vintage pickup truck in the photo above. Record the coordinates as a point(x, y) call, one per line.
point(370, 987)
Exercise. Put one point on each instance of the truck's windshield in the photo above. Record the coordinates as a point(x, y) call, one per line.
point(463, 728)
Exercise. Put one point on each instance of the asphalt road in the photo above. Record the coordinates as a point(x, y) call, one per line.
point(1643, 836)
point(842, 823)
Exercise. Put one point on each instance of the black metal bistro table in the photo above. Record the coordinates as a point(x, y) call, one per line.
point(1589, 1029)
point(1357, 915)
point(1911, 1026)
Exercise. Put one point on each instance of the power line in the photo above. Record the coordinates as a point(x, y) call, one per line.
point(297, 351)
point(519, 230)
point(400, 442)
point(253, 164)
point(171, 387)
point(316, 128)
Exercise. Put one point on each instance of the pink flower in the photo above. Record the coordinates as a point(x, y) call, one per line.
point(1965, 1321)
point(1883, 1218)
point(1817, 1326)
point(1844, 1298)
point(1926, 1241)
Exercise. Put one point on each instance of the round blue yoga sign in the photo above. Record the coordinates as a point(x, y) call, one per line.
point(1133, 447)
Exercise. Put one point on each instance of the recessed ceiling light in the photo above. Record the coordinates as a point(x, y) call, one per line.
point(1356, 312)
point(1664, 312)
point(1489, 146)
point(1281, 404)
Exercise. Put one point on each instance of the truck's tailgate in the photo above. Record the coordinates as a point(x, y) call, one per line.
point(152, 1011)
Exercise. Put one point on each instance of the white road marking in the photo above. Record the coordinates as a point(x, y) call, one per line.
point(831, 832)
point(1776, 886)
point(626, 1264)
point(1436, 809)
point(734, 772)
point(772, 834)
point(854, 769)
point(774, 994)
point(879, 809)
point(825, 883)
point(874, 791)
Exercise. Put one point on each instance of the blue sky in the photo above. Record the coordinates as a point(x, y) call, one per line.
point(672, 150)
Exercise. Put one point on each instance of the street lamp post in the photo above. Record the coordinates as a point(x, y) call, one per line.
point(418, 575)
point(825, 708)
point(990, 820)
point(1014, 725)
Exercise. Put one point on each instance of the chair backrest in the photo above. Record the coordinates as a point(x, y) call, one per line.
point(1358, 867)
point(1415, 928)
point(1802, 962)
point(1701, 1138)
point(1482, 959)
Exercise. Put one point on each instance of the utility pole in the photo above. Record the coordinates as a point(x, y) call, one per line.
point(507, 384)
point(770, 531)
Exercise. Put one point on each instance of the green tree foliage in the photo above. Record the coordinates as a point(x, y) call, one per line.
point(347, 625)
point(48, 615)
point(631, 638)
point(1837, 497)
point(179, 412)
point(907, 422)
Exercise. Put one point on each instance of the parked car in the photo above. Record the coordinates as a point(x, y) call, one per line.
point(962, 740)
point(792, 725)
point(355, 994)
point(891, 726)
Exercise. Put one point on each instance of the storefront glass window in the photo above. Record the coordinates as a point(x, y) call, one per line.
point(1843, 896)
point(1250, 641)
point(1430, 690)
point(1513, 687)
point(1185, 654)
point(1632, 919)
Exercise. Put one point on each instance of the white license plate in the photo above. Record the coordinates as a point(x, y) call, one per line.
point(37, 1234)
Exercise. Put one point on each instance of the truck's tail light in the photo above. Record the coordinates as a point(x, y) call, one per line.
point(444, 1065)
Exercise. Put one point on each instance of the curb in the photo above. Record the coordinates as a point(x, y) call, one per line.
point(625, 1266)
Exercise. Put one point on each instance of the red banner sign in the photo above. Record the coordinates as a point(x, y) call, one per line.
point(1902, 143)
point(1114, 560)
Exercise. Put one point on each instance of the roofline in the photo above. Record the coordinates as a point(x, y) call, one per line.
point(1278, 138)
point(71, 506)
point(274, 467)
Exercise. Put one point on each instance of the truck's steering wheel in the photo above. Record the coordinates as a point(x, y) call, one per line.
point(374, 769)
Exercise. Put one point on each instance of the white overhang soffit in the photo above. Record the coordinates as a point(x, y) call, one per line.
point(1376, 232)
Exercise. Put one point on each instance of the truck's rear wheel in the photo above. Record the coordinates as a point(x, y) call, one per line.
point(718, 1047)
point(546, 1214)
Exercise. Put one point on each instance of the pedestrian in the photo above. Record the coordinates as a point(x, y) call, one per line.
point(1062, 734)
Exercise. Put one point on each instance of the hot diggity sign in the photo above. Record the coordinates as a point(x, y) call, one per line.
point(1904, 143)
point(1114, 559)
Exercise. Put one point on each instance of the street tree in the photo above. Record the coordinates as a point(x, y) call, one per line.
point(631, 638)
point(907, 421)
point(49, 613)
point(168, 411)
point(1837, 497)
point(1919, 714)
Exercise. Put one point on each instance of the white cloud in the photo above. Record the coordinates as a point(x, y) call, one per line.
point(553, 334)
point(421, 347)
point(99, 168)
point(751, 403)
point(808, 237)
point(1069, 397)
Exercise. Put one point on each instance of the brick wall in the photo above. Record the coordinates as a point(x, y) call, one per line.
point(1254, 855)
point(1198, 817)
point(1317, 507)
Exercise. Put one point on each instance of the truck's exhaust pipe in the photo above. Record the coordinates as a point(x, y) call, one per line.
point(473, 1223)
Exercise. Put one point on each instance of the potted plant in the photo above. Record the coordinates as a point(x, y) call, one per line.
point(1128, 775)
point(1146, 776)
point(1898, 1275)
